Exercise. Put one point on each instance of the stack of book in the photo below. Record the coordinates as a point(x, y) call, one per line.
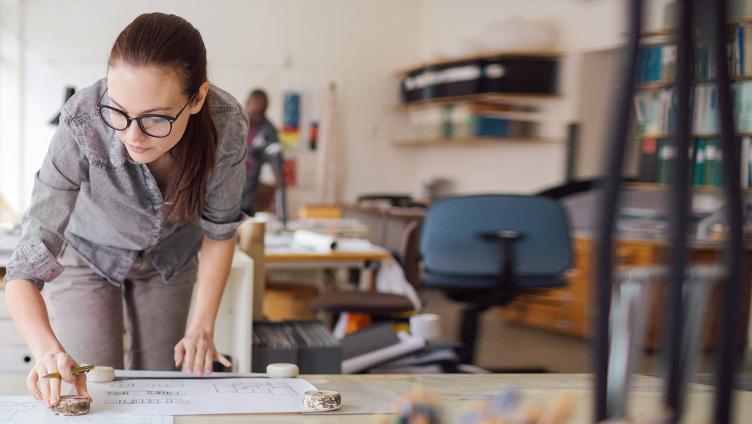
point(462, 121)
point(657, 157)
point(655, 110)
point(657, 62)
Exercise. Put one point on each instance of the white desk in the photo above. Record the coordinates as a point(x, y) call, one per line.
point(460, 392)
point(281, 255)
point(235, 315)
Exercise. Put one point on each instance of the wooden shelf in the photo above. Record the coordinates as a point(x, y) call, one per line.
point(476, 98)
point(658, 32)
point(665, 32)
point(476, 141)
point(476, 56)
point(652, 85)
point(664, 187)
point(664, 136)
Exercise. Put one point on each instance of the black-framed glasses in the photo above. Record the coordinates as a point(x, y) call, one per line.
point(153, 125)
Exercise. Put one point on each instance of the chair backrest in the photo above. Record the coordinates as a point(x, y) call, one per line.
point(451, 245)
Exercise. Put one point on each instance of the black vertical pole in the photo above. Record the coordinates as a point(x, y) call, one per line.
point(573, 141)
point(680, 207)
point(727, 360)
point(614, 159)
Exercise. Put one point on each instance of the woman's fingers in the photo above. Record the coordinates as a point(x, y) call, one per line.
point(208, 361)
point(64, 364)
point(31, 384)
point(43, 383)
point(79, 383)
point(54, 383)
point(222, 360)
point(190, 353)
point(179, 354)
point(199, 357)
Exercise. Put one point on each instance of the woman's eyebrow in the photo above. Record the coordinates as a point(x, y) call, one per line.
point(143, 112)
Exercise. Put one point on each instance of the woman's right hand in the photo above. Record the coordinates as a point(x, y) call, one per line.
point(48, 389)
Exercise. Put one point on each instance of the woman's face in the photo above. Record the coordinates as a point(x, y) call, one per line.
point(140, 90)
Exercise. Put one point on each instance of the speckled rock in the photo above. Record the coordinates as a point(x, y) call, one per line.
point(72, 405)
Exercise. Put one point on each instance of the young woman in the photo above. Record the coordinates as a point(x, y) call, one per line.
point(145, 169)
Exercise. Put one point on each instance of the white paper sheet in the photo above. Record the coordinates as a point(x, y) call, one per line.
point(25, 410)
point(139, 374)
point(199, 396)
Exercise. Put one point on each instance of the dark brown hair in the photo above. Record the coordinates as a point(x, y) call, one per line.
point(169, 41)
point(259, 94)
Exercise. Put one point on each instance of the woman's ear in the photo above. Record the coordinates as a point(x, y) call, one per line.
point(198, 102)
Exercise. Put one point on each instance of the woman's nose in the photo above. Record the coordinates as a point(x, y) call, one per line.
point(132, 134)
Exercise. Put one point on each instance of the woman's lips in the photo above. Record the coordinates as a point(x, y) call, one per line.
point(137, 149)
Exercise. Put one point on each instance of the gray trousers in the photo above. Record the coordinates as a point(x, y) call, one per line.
point(90, 315)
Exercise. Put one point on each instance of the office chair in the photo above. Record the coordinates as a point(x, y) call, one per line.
point(486, 249)
point(378, 305)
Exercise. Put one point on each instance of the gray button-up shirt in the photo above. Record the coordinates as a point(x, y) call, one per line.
point(92, 196)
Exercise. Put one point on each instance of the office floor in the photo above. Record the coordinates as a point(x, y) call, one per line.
point(507, 346)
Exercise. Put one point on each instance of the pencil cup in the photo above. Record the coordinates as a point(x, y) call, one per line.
point(426, 326)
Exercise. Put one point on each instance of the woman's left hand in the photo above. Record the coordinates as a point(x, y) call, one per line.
point(196, 352)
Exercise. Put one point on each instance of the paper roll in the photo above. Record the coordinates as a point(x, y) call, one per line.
point(427, 326)
point(315, 241)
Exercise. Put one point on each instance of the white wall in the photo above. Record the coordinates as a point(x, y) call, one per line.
point(276, 44)
point(10, 97)
point(298, 44)
point(579, 25)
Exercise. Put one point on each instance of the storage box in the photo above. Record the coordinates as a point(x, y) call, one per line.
point(521, 74)
point(307, 343)
point(445, 80)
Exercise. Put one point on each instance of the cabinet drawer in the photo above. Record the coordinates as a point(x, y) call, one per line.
point(582, 254)
point(633, 254)
point(15, 358)
point(559, 319)
point(557, 296)
point(9, 335)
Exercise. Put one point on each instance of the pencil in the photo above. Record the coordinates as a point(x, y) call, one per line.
point(83, 369)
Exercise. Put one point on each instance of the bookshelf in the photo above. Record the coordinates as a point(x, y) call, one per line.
point(477, 56)
point(666, 187)
point(483, 99)
point(476, 141)
point(655, 110)
point(695, 135)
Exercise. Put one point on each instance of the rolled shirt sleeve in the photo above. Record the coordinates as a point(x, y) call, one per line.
point(221, 215)
point(56, 188)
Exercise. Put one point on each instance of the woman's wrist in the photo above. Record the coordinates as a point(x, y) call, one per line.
point(200, 327)
point(48, 349)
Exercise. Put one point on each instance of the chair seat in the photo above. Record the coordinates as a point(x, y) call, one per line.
point(444, 281)
point(364, 302)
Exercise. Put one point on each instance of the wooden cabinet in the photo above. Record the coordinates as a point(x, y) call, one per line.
point(568, 310)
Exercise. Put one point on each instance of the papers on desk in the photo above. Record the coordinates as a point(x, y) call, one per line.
point(286, 243)
point(336, 227)
point(156, 400)
point(376, 345)
point(200, 396)
point(26, 409)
